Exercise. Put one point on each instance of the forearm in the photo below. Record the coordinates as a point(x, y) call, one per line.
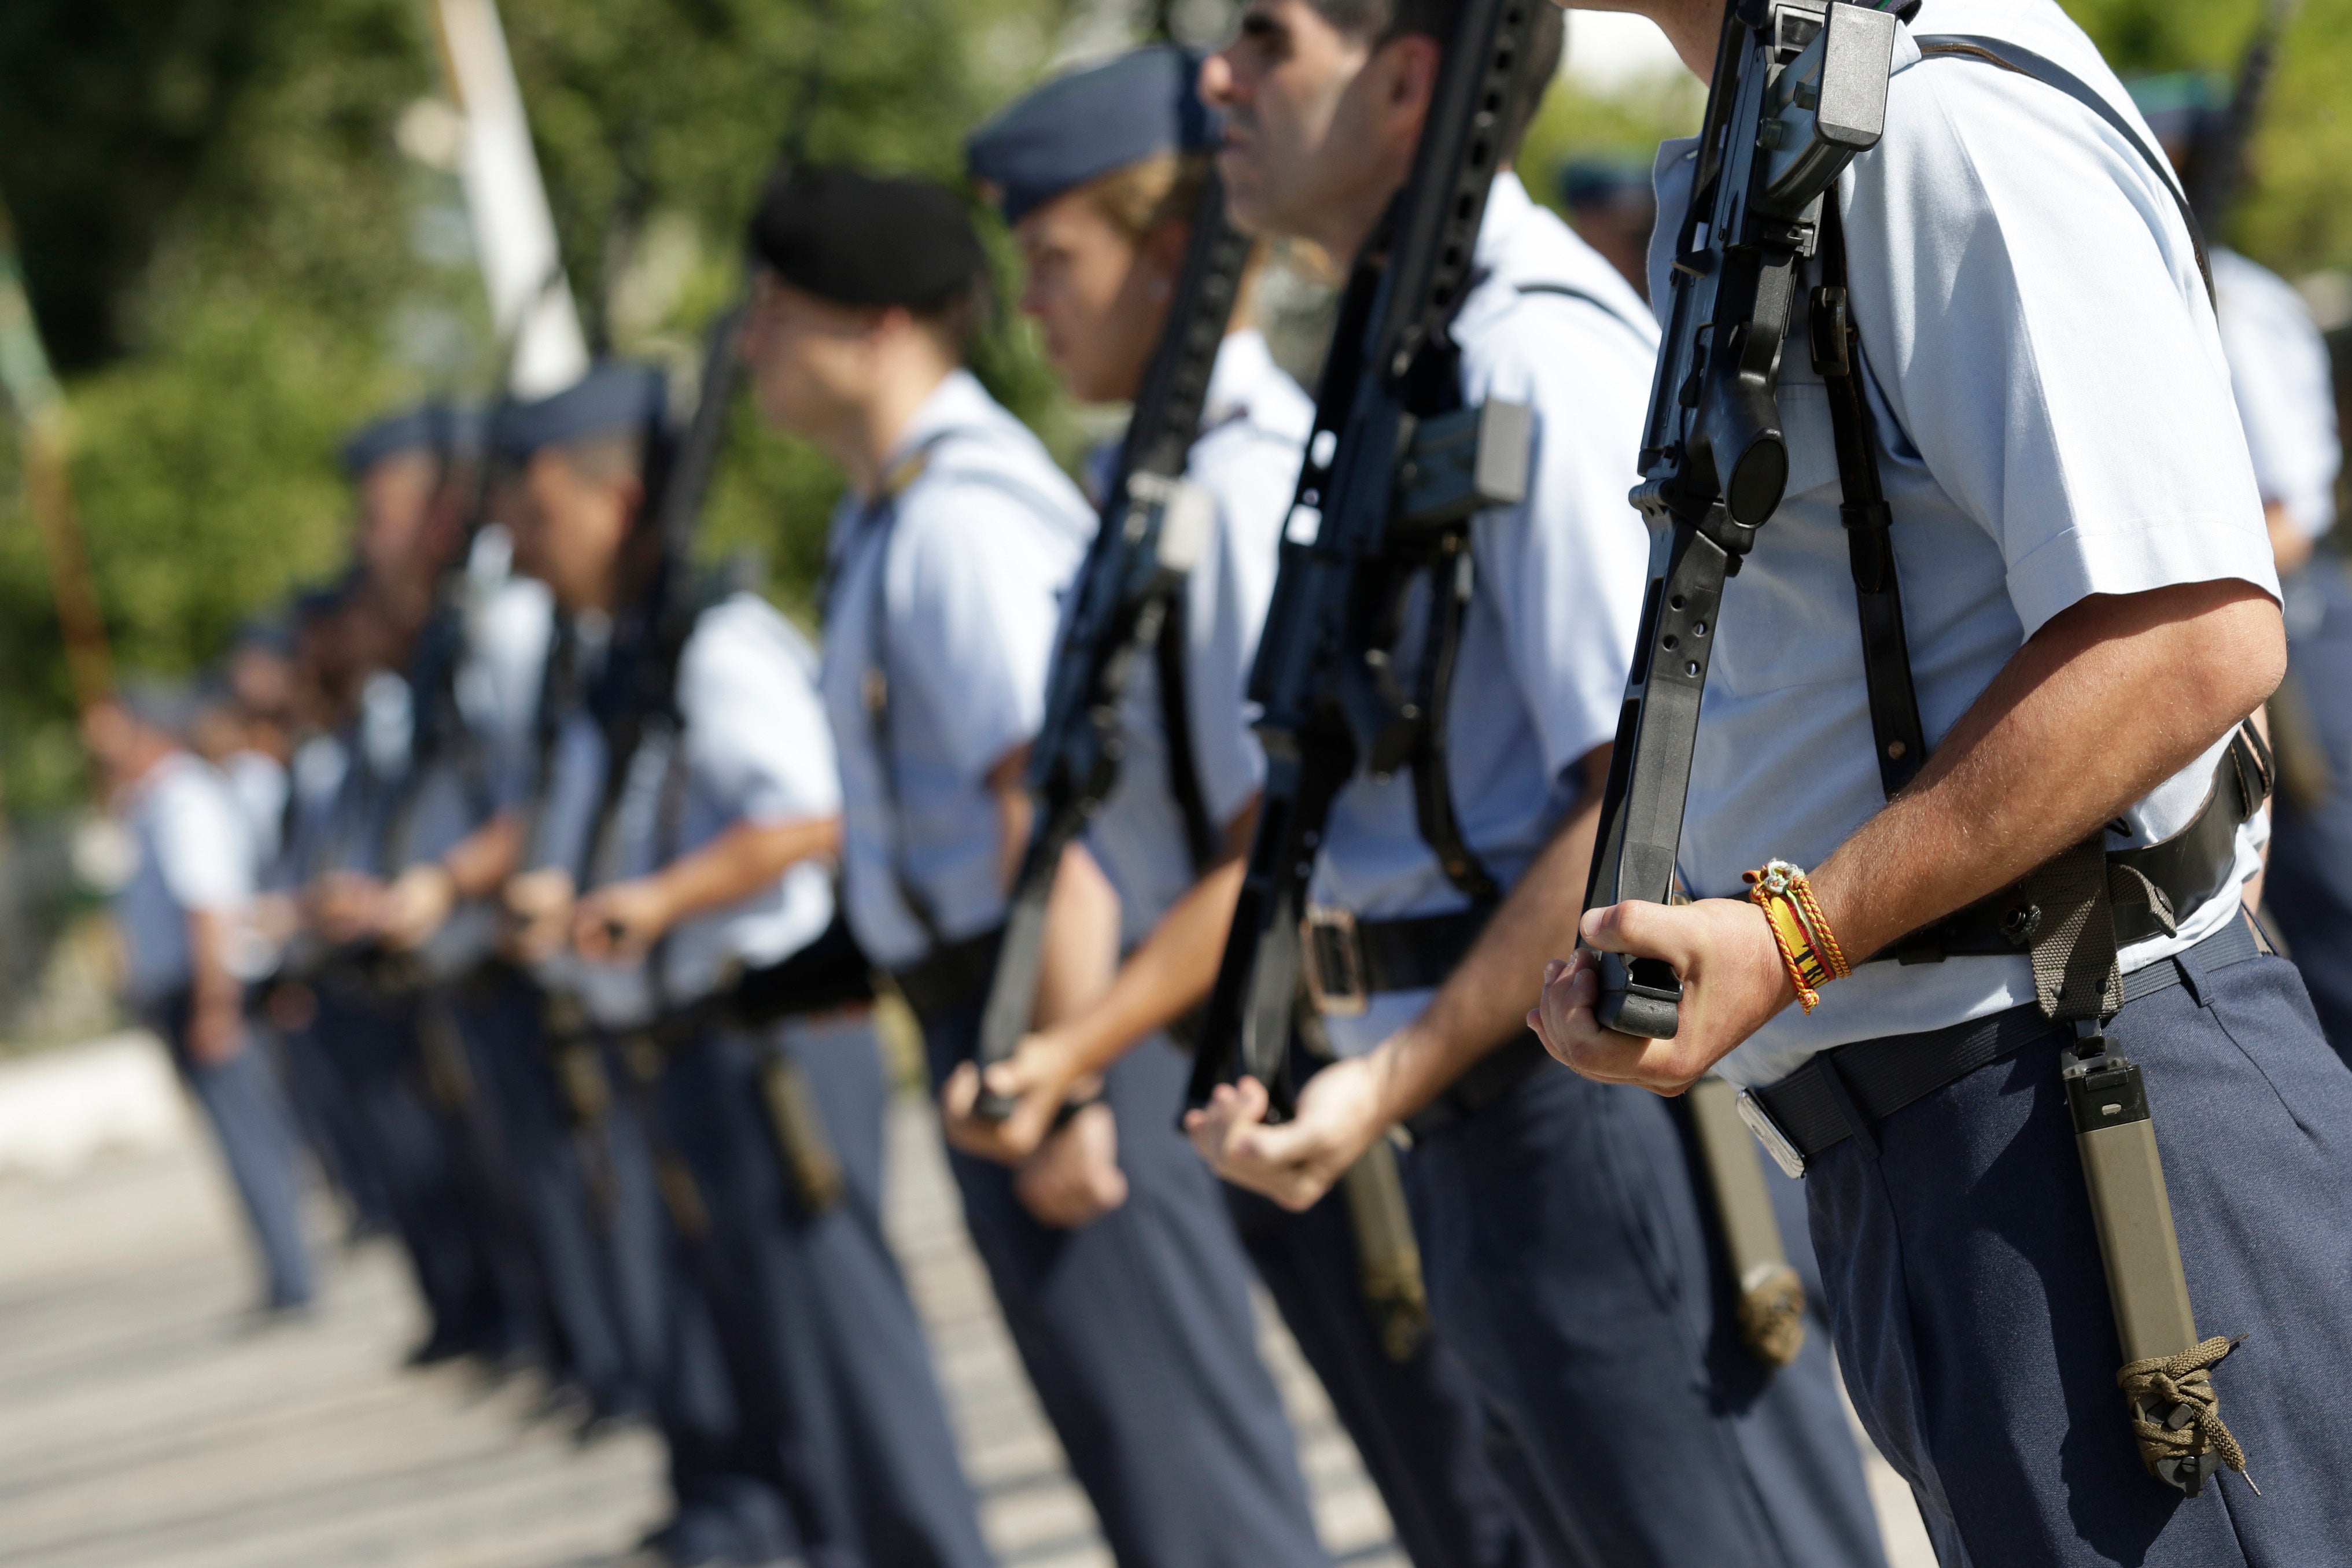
point(1484, 1003)
point(1165, 977)
point(212, 982)
point(742, 860)
point(2104, 704)
point(1171, 971)
point(479, 864)
point(1081, 941)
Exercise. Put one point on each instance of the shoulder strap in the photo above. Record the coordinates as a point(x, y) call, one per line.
point(1898, 736)
point(2024, 62)
point(881, 518)
point(1567, 291)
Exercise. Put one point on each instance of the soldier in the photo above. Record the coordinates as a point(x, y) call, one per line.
point(2279, 373)
point(1565, 1239)
point(704, 850)
point(2078, 538)
point(411, 1102)
point(1128, 1299)
point(183, 916)
point(1612, 209)
point(1100, 174)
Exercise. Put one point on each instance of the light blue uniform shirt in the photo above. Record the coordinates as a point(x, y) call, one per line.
point(196, 856)
point(1254, 427)
point(974, 554)
point(753, 748)
point(2279, 373)
point(1558, 596)
point(2054, 420)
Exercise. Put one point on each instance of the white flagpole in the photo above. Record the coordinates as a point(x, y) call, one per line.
point(514, 230)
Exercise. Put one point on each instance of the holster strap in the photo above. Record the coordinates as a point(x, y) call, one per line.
point(2188, 869)
point(1879, 1077)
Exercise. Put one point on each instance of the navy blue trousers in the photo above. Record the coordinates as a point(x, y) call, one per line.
point(326, 1112)
point(1137, 1333)
point(1972, 1316)
point(591, 1342)
point(670, 1285)
point(1418, 1423)
point(417, 1155)
point(242, 1100)
point(1567, 1262)
point(2308, 894)
point(828, 1358)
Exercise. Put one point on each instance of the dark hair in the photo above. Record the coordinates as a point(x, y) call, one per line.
point(1381, 20)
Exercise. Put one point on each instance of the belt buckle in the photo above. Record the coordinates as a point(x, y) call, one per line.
point(1785, 1154)
point(1333, 962)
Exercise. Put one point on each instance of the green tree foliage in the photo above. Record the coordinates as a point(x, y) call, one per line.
point(234, 262)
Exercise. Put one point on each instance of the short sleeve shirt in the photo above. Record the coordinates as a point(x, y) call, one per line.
point(2054, 420)
point(1558, 590)
point(195, 856)
point(1254, 427)
point(753, 748)
point(951, 591)
point(2279, 372)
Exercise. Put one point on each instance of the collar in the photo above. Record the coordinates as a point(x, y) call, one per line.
point(959, 400)
point(1508, 210)
point(1245, 364)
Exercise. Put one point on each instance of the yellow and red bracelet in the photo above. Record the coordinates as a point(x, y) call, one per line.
point(1808, 947)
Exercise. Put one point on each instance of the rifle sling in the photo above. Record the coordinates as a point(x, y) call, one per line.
point(1204, 837)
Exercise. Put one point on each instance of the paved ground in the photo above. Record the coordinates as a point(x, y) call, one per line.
point(142, 1426)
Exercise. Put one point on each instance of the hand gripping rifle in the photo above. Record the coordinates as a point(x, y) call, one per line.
point(1393, 462)
point(1154, 527)
point(1799, 91)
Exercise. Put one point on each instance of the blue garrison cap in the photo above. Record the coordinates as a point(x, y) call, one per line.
point(613, 399)
point(2181, 106)
point(429, 427)
point(1598, 180)
point(1081, 126)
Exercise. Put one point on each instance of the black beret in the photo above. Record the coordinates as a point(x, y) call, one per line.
point(430, 427)
point(1081, 126)
point(858, 239)
point(611, 399)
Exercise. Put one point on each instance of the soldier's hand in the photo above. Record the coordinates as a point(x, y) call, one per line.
point(540, 904)
point(619, 924)
point(346, 906)
point(1294, 1164)
point(416, 905)
point(1073, 1178)
point(1037, 1078)
point(1733, 982)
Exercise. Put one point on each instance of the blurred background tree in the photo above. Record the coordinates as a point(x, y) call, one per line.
point(242, 237)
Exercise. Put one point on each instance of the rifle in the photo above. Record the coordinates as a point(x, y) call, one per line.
point(1799, 91)
point(1393, 473)
point(2220, 159)
point(1154, 527)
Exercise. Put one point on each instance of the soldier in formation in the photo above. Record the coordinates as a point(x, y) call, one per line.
point(582, 865)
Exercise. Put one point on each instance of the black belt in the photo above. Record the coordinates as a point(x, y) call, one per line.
point(2189, 869)
point(1346, 962)
point(952, 975)
point(1843, 1089)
